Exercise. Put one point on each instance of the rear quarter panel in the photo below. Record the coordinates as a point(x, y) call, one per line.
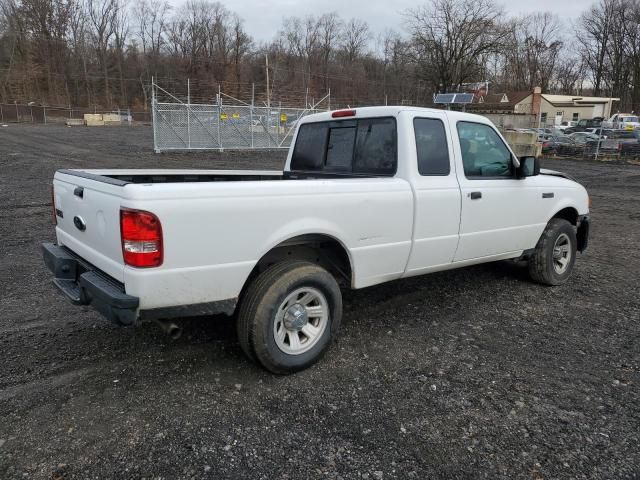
point(214, 234)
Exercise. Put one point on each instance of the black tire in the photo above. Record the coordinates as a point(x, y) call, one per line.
point(542, 265)
point(259, 306)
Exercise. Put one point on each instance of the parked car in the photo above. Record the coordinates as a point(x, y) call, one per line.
point(617, 141)
point(564, 125)
point(583, 124)
point(598, 132)
point(629, 149)
point(366, 196)
point(545, 133)
point(582, 138)
point(624, 134)
point(561, 145)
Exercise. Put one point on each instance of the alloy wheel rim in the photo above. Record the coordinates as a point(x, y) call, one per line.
point(301, 320)
point(562, 254)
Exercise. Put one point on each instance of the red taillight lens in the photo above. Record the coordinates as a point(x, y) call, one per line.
point(53, 206)
point(141, 235)
point(343, 113)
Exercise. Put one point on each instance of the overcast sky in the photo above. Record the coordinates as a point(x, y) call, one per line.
point(263, 18)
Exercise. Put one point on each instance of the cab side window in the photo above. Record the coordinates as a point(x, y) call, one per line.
point(484, 154)
point(431, 146)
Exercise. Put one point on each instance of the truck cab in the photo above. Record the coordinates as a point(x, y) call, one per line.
point(584, 124)
point(624, 121)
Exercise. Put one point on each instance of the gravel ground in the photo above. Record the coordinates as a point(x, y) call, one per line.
point(475, 373)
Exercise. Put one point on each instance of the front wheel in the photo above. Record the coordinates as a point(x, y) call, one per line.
point(555, 254)
point(289, 315)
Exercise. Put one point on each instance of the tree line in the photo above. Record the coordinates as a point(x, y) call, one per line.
point(104, 53)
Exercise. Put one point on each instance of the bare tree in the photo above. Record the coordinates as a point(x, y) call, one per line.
point(152, 23)
point(330, 31)
point(240, 46)
point(533, 47)
point(632, 39)
point(102, 19)
point(78, 33)
point(398, 68)
point(120, 35)
point(72, 50)
point(301, 38)
point(13, 46)
point(594, 32)
point(449, 38)
point(355, 36)
point(47, 23)
point(218, 39)
point(569, 76)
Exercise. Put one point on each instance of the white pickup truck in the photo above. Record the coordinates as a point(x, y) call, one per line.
point(367, 196)
point(622, 121)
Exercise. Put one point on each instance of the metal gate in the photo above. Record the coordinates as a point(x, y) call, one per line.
point(228, 123)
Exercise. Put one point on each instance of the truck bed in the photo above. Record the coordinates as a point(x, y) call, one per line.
point(218, 224)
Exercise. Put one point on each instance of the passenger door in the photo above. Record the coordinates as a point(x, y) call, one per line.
point(436, 192)
point(500, 213)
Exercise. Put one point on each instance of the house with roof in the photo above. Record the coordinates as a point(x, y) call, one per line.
point(551, 109)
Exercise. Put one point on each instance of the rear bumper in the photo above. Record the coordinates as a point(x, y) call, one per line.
point(83, 284)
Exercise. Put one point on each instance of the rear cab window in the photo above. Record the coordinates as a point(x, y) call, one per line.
point(365, 146)
point(431, 147)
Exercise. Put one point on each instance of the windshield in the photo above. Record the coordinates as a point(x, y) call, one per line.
point(630, 119)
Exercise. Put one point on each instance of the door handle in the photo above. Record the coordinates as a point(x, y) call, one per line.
point(475, 195)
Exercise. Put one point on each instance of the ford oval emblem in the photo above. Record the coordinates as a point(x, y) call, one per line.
point(79, 223)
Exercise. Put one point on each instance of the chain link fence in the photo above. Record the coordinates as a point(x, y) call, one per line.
point(228, 123)
point(604, 150)
point(19, 113)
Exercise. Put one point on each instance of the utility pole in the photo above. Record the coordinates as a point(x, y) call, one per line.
point(266, 58)
point(189, 111)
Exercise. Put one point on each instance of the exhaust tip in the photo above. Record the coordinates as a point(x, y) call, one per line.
point(173, 331)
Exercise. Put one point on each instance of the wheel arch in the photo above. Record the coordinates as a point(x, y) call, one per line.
point(569, 214)
point(319, 247)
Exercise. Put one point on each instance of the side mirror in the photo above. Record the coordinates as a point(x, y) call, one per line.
point(529, 167)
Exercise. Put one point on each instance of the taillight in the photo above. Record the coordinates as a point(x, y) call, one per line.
point(343, 113)
point(53, 206)
point(141, 235)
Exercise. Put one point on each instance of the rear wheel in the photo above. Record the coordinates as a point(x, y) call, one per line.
point(289, 315)
point(555, 254)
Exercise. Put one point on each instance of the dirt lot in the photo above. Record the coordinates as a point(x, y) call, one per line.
point(476, 373)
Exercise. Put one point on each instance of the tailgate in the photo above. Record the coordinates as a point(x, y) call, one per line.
point(88, 217)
